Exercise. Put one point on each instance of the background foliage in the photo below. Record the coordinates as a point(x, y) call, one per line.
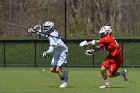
point(84, 17)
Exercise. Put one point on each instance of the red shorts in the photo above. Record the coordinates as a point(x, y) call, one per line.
point(113, 63)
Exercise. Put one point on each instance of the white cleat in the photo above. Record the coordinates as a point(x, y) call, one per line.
point(125, 75)
point(63, 85)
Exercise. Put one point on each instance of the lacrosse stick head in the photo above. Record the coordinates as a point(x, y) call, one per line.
point(37, 28)
point(34, 29)
point(89, 52)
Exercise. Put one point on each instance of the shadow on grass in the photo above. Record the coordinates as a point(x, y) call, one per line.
point(58, 87)
point(117, 87)
point(93, 87)
point(54, 86)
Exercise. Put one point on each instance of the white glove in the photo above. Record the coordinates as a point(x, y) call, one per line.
point(45, 54)
point(31, 30)
point(83, 43)
point(89, 52)
point(93, 42)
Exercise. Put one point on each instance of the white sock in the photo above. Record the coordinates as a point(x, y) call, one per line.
point(107, 82)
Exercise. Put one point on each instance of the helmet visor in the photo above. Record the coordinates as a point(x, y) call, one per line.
point(46, 28)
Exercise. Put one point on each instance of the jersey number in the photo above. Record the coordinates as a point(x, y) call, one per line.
point(115, 41)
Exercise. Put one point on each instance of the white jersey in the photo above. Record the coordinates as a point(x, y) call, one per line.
point(60, 49)
point(56, 41)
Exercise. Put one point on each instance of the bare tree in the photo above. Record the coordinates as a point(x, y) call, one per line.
point(84, 17)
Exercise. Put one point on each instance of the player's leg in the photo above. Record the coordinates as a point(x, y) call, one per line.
point(104, 75)
point(112, 72)
point(62, 77)
point(60, 73)
point(62, 61)
point(123, 73)
point(63, 74)
point(103, 72)
point(53, 65)
point(55, 68)
point(105, 67)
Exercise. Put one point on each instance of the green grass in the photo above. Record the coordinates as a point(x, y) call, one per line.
point(81, 80)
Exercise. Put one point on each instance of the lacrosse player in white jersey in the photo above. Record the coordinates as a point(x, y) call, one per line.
point(58, 47)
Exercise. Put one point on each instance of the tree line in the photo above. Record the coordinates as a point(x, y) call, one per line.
point(83, 17)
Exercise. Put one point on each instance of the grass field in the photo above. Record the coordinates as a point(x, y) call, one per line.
point(81, 80)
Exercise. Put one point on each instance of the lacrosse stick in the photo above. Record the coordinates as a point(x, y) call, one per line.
point(16, 25)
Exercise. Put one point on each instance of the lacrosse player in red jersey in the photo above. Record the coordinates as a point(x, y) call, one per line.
point(113, 61)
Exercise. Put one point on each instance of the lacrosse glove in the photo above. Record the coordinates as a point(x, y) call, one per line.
point(45, 54)
point(83, 43)
point(89, 52)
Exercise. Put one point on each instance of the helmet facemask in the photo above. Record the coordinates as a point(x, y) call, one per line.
point(105, 30)
point(48, 27)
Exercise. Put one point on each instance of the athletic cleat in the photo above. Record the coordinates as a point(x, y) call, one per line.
point(63, 85)
point(104, 86)
point(125, 75)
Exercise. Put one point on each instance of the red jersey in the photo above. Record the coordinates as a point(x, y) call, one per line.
point(114, 59)
point(110, 45)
